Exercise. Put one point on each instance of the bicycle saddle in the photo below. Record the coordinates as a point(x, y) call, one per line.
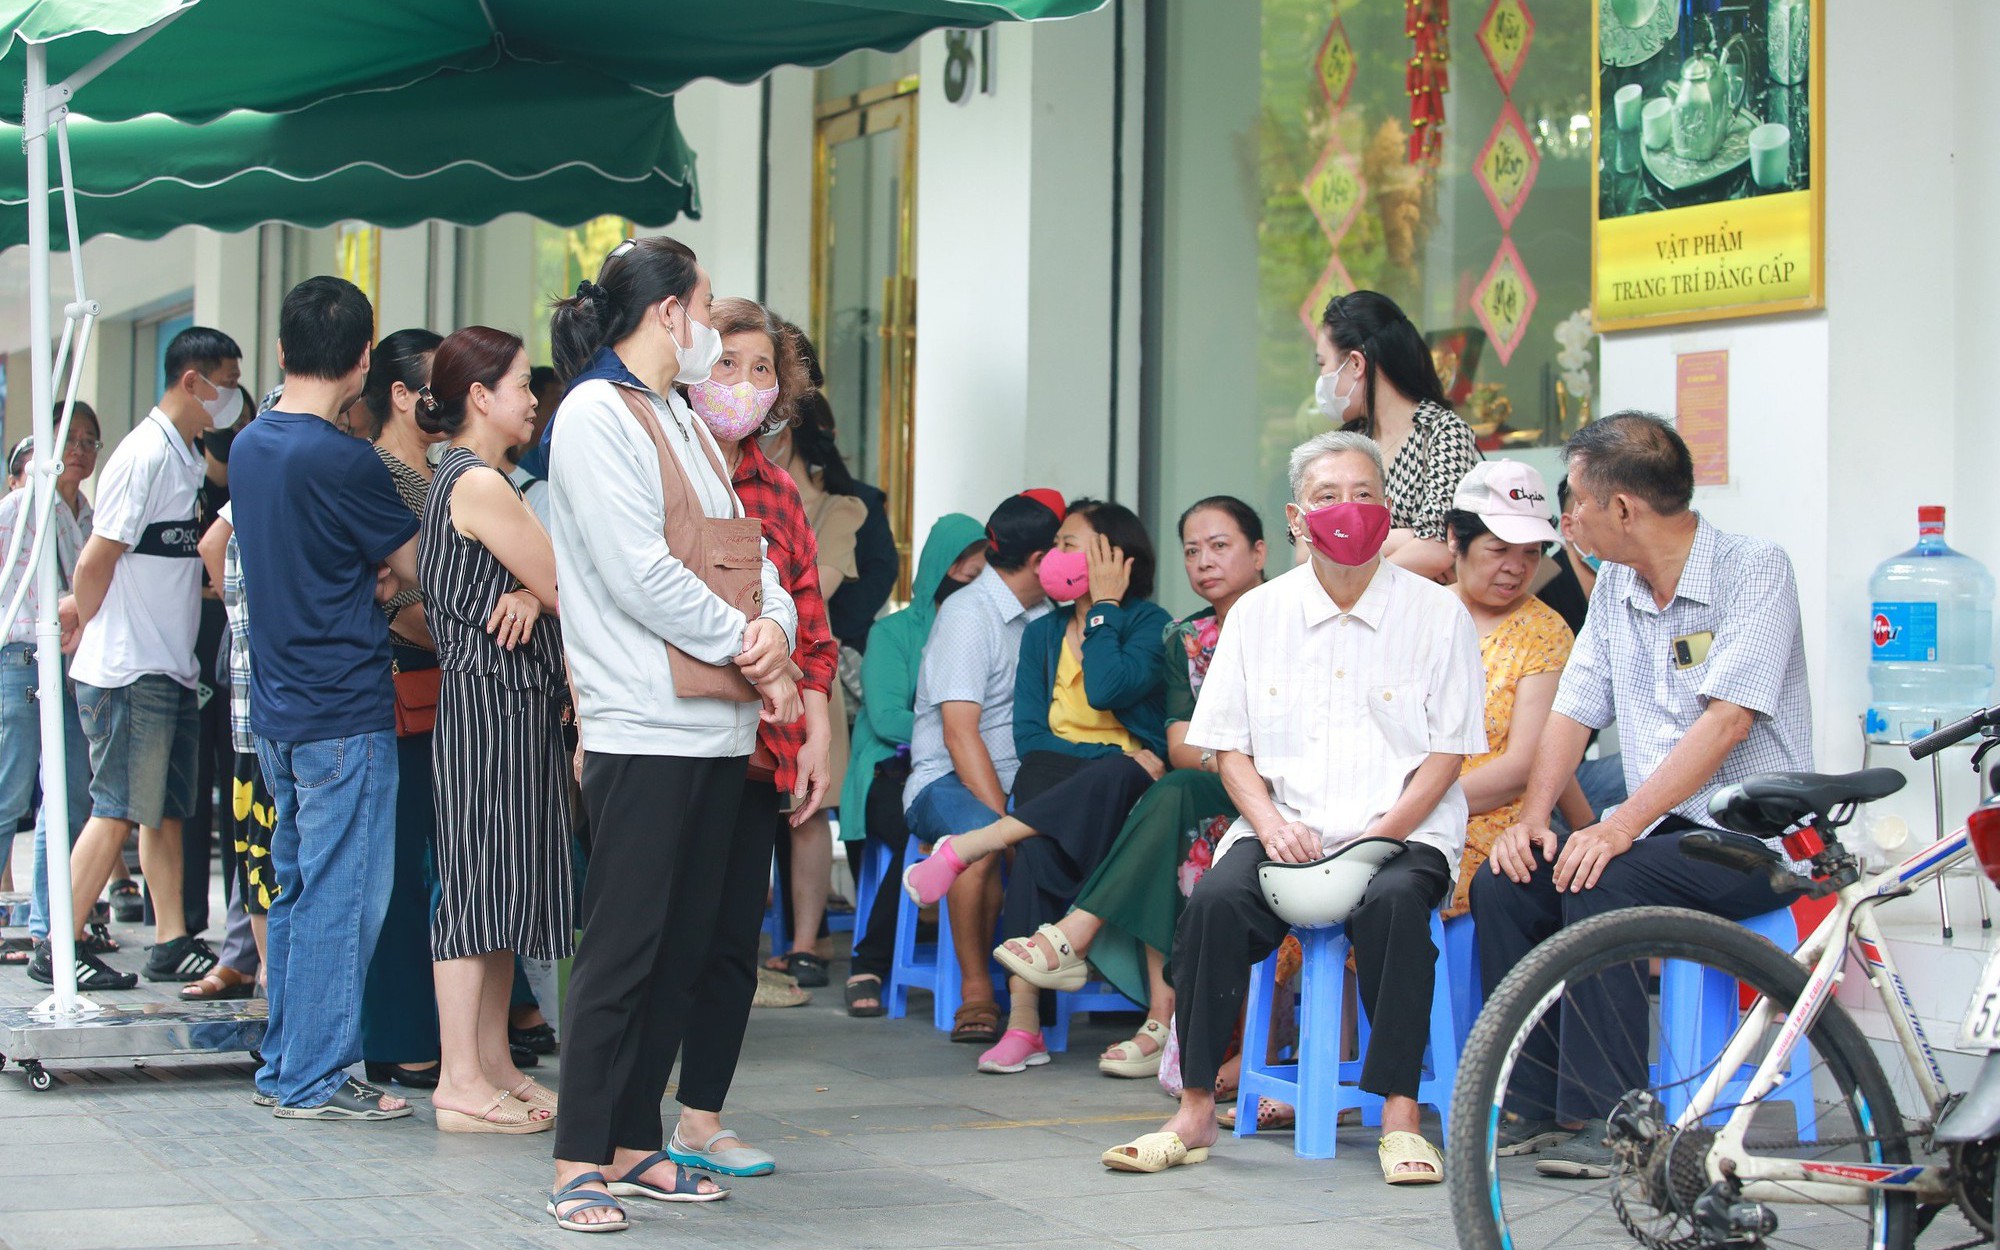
point(1772, 803)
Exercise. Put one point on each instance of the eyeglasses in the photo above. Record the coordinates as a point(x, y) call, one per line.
point(85, 444)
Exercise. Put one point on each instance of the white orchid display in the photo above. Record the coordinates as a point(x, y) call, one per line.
point(1574, 335)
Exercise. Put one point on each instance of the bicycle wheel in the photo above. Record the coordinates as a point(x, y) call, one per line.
point(1841, 1106)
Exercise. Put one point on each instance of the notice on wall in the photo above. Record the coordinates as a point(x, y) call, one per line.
point(1701, 412)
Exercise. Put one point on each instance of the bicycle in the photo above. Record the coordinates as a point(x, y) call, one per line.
point(1719, 1127)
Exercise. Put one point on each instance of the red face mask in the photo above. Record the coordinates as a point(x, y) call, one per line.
point(1348, 533)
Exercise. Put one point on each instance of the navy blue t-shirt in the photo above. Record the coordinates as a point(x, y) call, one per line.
point(316, 513)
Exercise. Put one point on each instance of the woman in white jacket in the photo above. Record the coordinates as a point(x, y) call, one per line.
point(661, 774)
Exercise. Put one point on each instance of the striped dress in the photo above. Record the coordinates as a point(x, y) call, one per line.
point(503, 840)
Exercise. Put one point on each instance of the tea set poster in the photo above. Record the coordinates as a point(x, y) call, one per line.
point(1710, 155)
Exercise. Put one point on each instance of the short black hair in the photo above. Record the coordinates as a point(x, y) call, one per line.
point(1464, 527)
point(325, 326)
point(1125, 531)
point(1019, 529)
point(1235, 509)
point(200, 349)
point(1634, 453)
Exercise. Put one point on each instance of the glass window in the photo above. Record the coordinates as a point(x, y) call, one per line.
point(565, 256)
point(1287, 178)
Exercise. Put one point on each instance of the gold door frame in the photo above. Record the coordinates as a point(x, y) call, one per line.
point(875, 111)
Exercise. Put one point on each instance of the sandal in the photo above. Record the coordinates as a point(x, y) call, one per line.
point(1272, 1116)
point(775, 989)
point(97, 939)
point(585, 1200)
point(505, 1114)
point(687, 1183)
point(221, 981)
point(1399, 1149)
point(1131, 1059)
point(803, 967)
point(1154, 1152)
point(354, 1100)
point(1027, 959)
point(976, 1023)
point(865, 987)
point(534, 1093)
point(127, 903)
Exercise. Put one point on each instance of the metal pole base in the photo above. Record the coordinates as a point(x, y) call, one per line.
point(32, 1039)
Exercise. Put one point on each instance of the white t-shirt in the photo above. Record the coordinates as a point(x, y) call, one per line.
point(152, 612)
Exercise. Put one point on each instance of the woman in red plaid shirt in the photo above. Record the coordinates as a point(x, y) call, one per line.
point(753, 388)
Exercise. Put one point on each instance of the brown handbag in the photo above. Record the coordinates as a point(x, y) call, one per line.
point(726, 553)
point(416, 699)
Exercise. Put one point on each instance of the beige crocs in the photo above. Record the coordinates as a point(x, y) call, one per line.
point(1131, 1059)
point(1025, 958)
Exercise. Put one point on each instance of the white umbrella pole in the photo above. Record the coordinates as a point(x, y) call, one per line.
point(48, 633)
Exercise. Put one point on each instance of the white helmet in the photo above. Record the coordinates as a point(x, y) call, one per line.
point(1325, 891)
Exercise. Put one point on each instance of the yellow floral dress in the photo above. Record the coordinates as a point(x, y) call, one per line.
point(1534, 639)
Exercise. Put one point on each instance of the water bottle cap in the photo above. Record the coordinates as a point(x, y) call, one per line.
point(1931, 512)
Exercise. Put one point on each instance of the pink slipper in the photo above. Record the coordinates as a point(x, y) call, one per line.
point(1016, 1051)
point(929, 880)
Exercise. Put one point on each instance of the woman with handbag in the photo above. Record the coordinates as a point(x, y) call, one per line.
point(676, 628)
point(753, 387)
point(503, 853)
point(399, 1021)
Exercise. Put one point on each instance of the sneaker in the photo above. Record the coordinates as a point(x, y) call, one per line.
point(127, 905)
point(183, 959)
point(93, 975)
point(1518, 1136)
point(1016, 1051)
point(1583, 1157)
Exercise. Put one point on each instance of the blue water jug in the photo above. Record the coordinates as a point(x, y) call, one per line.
point(1931, 630)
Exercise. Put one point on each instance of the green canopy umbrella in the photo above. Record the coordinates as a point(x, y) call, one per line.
point(268, 55)
point(460, 147)
point(194, 61)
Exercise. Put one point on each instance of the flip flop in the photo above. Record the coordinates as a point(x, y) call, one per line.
point(1396, 1149)
point(687, 1183)
point(1153, 1152)
point(584, 1200)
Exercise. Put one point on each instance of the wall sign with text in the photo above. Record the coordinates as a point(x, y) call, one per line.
point(1710, 162)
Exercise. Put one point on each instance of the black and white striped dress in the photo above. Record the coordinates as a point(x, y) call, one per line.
point(503, 840)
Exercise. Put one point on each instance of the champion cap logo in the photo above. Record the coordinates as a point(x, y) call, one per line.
point(1519, 494)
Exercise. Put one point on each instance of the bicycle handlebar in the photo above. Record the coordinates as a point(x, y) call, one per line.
point(1958, 731)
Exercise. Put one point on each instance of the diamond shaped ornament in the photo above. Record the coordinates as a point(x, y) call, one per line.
point(1335, 65)
point(1504, 37)
point(1334, 281)
point(1504, 300)
point(1334, 191)
point(1507, 165)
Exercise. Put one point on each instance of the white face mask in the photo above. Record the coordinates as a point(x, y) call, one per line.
point(223, 408)
point(704, 348)
point(1331, 402)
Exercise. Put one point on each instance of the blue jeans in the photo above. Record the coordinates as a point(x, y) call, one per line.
point(945, 807)
point(333, 853)
point(21, 760)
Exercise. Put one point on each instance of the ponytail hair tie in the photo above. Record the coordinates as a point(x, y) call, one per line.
point(591, 293)
point(428, 400)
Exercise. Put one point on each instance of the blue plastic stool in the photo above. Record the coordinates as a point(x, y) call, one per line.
point(1699, 1009)
point(1094, 996)
point(774, 912)
point(922, 965)
point(1461, 956)
point(1316, 1082)
point(874, 866)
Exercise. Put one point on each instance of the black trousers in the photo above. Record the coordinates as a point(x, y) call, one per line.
point(720, 996)
point(661, 826)
point(1228, 929)
point(1597, 1052)
point(875, 948)
point(1076, 820)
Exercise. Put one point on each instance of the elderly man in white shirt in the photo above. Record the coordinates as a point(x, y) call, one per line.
point(1343, 698)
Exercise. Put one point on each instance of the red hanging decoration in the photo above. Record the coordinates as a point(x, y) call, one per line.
point(1426, 81)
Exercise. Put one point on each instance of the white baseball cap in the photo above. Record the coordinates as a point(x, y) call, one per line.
point(1511, 498)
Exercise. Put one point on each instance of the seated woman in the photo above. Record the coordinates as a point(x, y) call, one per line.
point(1124, 917)
point(1090, 727)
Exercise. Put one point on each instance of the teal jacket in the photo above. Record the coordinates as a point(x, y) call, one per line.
point(1123, 673)
point(889, 670)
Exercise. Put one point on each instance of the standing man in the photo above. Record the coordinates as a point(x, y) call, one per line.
point(317, 518)
point(1341, 703)
point(1693, 646)
point(137, 600)
point(962, 760)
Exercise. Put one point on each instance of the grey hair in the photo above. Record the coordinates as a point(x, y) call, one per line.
point(1332, 443)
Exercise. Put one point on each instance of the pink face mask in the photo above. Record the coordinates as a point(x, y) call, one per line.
point(1066, 575)
point(1348, 533)
point(731, 412)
